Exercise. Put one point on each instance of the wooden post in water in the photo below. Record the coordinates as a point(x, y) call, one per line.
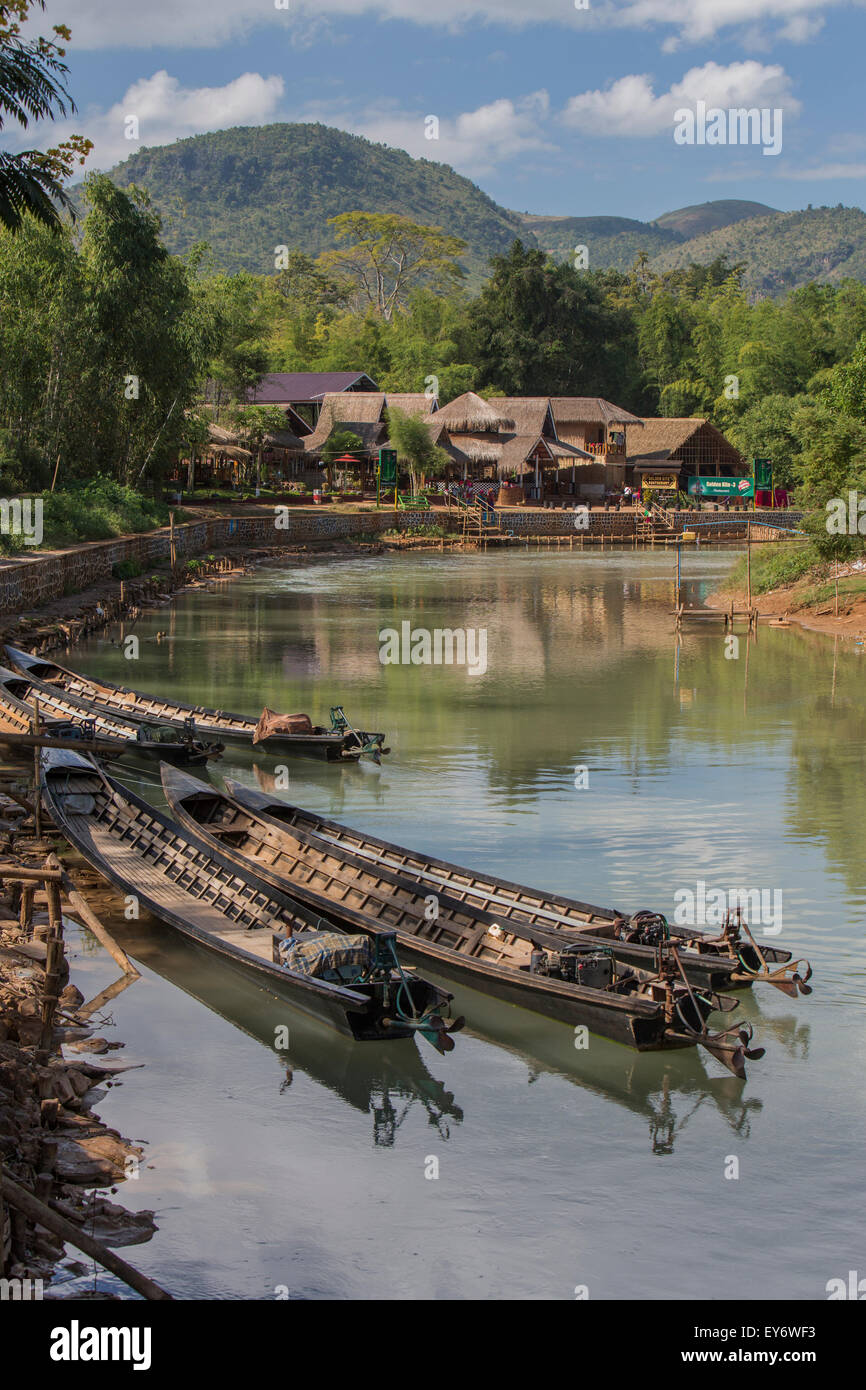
point(37, 792)
point(749, 565)
point(37, 1212)
point(172, 551)
point(53, 966)
point(836, 582)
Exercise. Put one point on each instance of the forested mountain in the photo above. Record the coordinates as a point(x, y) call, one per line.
point(708, 217)
point(610, 241)
point(783, 250)
point(250, 189)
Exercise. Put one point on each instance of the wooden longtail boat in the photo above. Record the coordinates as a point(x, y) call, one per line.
point(561, 974)
point(383, 1082)
point(733, 960)
point(340, 743)
point(216, 905)
point(66, 716)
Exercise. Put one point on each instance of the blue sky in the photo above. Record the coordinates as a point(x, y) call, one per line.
point(550, 108)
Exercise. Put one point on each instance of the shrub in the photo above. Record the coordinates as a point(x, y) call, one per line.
point(126, 569)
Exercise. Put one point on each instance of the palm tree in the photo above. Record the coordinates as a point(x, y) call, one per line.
point(32, 88)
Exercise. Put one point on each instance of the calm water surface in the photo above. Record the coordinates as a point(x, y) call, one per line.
point(304, 1172)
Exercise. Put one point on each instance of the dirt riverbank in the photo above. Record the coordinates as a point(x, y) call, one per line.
point(792, 602)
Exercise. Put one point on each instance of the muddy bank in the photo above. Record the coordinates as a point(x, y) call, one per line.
point(788, 603)
point(63, 621)
point(59, 1163)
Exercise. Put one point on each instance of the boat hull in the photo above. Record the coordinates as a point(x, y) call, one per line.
point(634, 1020)
point(707, 972)
point(71, 783)
point(121, 702)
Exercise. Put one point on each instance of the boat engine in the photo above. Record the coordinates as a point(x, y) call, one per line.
point(576, 965)
point(643, 928)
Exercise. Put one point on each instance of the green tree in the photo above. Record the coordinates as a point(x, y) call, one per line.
point(32, 87)
point(386, 256)
point(253, 423)
point(413, 441)
point(768, 429)
point(833, 463)
point(545, 329)
point(238, 307)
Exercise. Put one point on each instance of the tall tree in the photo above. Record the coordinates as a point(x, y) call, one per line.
point(546, 329)
point(415, 448)
point(386, 256)
point(254, 423)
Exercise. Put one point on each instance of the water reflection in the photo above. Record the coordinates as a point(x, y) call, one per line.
point(382, 1080)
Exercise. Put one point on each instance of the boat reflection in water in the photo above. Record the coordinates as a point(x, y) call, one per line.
point(380, 1079)
point(667, 1089)
point(388, 1081)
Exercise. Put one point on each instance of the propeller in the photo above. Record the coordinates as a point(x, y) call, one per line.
point(733, 1054)
point(438, 1032)
point(753, 1053)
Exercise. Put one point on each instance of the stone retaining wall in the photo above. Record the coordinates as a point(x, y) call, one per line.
point(33, 580)
point(29, 581)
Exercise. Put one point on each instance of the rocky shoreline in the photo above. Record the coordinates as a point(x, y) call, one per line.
point(58, 1159)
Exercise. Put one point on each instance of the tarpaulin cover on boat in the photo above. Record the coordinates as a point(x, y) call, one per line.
point(317, 953)
point(272, 723)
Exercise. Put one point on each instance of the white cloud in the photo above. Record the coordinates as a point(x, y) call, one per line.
point(699, 20)
point(99, 24)
point(826, 171)
point(166, 111)
point(474, 142)
point(630, 106)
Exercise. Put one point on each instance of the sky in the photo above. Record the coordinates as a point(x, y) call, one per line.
point(561, 107)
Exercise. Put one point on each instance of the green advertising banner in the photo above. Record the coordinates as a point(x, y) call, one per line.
point(763, 469)
point(388, 467)
point(721, 487)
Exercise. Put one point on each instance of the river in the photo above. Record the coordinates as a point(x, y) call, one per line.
point(594, 756)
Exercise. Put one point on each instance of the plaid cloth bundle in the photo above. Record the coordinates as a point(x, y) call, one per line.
point(316, 953)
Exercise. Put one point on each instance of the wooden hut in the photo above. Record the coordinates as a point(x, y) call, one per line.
point(510, 439)
point(665, 453)
point(599, 427)
point(364, 413)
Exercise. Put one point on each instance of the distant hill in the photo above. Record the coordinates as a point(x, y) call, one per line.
point(783, 250)
point(252, 188)
point(708, 217)
point(616, 241)
point(610, 241)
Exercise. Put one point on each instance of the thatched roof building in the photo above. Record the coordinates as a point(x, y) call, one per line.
point(351, 411)
point(531, 414)
point(687, 446)
point(471, 414)
point(590, 410)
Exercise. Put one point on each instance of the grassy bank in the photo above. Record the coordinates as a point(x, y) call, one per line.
point(95, 511)
point(796, 580)
point(774, 566)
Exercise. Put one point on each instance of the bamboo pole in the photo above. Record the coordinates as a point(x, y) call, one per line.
point(81, 909)
point(53, 966)
point(12, 873)
point(41, 1214)
point(37, 790)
